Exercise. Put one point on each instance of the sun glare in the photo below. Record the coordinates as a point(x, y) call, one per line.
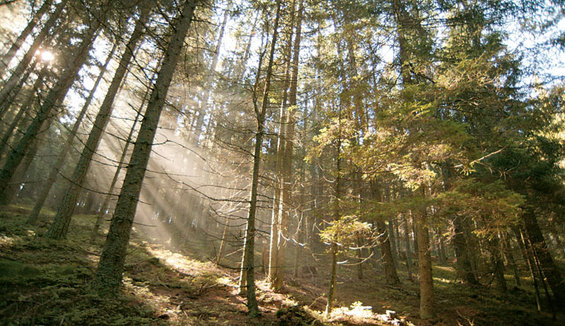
point(46, 56)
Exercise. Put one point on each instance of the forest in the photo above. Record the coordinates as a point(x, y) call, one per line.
point(296, 162)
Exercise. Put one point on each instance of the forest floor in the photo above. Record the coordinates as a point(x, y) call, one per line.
point(45, 282)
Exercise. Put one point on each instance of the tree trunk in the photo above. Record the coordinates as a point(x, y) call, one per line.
point(19, 181)
point(7, 58)
point(211, 72)
point(109, 273)
point(37, 41)
point(540, 250)
point(442, 257)
point(333, 280)
point(223, 241)
point(260, 112)
point(390, 226)
point(275, 275)
point(386, 253)
point(60, 226)
point(508, 252)
point(408, 249)
point(13, 94)
point(391, 275)
point(56, 95)
point(32, 218)
point(425, 267)
point(26, 108)
point(121, 163)
point(527, 253)
point(498, 265)
point(464, 268)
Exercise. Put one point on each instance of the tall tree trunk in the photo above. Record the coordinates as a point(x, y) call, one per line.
point(109, 273)
point(540, 250)
point(11, 53)
point(407, 230)
point(32, 218)
point(204, 107)
point(26, 108)
point(333, 280)
point(10, 100)
point(464, 268)
point(121, 163)
point(497, 264)
point(248, 266)
point(508, 252)
point(275, 275)
point(441, 247)
point(37, 41)
point(425, 266)
point(60, 225)
point(19, 181)
point(288, 123)
point(386, 253)
point(223, 241)
point(56, 95)
point(527, 253)
point(391, 275)
point(393, 241)
point(337, 214)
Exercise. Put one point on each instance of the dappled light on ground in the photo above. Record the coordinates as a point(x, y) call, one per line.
point(48, 281)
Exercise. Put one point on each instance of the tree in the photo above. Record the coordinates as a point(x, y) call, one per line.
point(283, 189)
point(17, 73)
point(16, 45)
point(56, 168)
point(109, 272)
point(55, 95)
point(260, 109)
point(64, 214)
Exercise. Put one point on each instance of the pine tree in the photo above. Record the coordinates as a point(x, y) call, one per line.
point(109, 272)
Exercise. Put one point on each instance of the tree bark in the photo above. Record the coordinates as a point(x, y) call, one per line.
point(60, 226)
point(26, 108)
point(121, 163)
point(55, 96)
point(19, 181)
point(508, 252)
point(11, 53)
point(333, 280)
point(425, 268)
point(463, 265)
point(391, 275)
point(275, 275)
point(13, 94)
point(498, 265)
point(540, 250)
point(109, 273)
point(248, 266)
point(211, 72)
point(26, 60)
point(32, 218)
point(408, 249)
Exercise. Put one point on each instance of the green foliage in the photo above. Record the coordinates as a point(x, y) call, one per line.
point(345, 231)
point(495, 207)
